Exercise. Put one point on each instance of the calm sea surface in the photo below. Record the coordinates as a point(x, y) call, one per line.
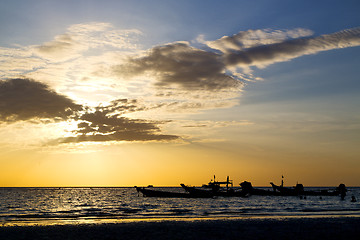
point(24, 206)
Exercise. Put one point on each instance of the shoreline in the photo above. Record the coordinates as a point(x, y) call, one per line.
point(42, 222)
point(305, 227)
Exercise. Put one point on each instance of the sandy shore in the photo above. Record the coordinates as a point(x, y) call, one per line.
point(247, 228)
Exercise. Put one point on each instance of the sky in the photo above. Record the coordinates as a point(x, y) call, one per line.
point(124, 93)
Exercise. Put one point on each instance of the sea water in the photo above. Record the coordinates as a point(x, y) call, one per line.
point(22, 206)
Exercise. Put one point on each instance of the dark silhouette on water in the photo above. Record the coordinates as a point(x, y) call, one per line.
point(299, 190)
point(216, 185)
point(342, 190)
point(166, 194)
point(213, 188)
point(248, 189)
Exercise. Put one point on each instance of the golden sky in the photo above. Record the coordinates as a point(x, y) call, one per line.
point(92, 101)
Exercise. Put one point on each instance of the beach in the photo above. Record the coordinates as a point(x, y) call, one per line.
point(305, 227)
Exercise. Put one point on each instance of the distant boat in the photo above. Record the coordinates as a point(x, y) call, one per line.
point(166, 194)
point(289, 191)
point(216, 185)
point(248, 188)
point(198, 192)
point(214, 188)
point(299, 190)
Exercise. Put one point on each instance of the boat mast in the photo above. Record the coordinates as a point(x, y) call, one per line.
point(227, 184)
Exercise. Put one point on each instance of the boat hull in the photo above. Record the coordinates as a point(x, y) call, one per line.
point(164, 194)
point(210, 193)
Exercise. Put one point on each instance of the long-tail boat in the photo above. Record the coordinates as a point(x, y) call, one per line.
point(299, 190)
point(247, 188)
point(213, 188)
point(197, 191)
point(165, 194)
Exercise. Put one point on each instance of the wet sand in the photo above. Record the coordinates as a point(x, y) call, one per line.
point(244, 228)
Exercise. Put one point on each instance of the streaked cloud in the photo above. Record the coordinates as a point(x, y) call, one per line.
point(197, 131)
point(260, 52)
point(254, 38)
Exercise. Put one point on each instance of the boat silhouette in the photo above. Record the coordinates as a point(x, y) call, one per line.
point(214, 188)
point(167, 194)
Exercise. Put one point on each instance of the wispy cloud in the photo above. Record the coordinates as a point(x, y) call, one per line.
point(240, 51)
point(83, 37)
point(70, 57)
point(253, 38)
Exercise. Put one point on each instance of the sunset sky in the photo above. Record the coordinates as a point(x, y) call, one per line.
point(124, 93)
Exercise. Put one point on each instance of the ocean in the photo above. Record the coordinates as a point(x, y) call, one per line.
point(47, 206)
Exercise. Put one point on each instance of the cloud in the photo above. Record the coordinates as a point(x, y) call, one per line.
point(28, 100)
point(180, 65)
point(80, 38)
point(195, 131)
point(107, 123)
point(261, 55)
point(95, 63)
point(62, 47)
point(254, 38)
point(25, 99)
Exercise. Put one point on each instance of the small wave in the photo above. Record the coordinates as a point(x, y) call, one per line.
point(69, 211)
point(132, 210)
point(84, 205)
point(151, 206)
point(92, 209)
point(181, 211)
point(251, 209)
point(330, 210)
point(207, 213)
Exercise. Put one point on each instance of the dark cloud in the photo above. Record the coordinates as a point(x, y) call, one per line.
point(181, 65)
point(268, 53)
point(25, 99)
point(103, 125)
point(120, 106)
point(119, 136)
